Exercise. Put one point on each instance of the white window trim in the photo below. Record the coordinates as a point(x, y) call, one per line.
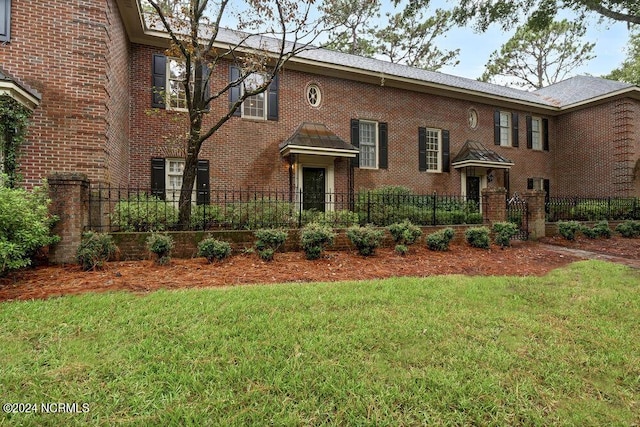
point(265, 100)
point(509, 127)
point(439, 155)
point(539, 133)
point(318, 92)
point(173, 194)
point(307, 161)
point(376, 145)
point(168, 85)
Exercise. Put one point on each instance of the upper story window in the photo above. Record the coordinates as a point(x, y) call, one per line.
point(433, 149)
point(176, 96)
point(314, 96)
point(255, 106)
point(505, 129)
point(536, 133)
point(368, 144)
point(5, 20)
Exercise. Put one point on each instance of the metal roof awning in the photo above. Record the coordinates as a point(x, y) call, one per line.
point(12, 87)
point(474, 154)
point(317, 139)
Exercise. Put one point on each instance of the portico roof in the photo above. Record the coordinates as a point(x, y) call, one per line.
point(316, 139)
point(474, 154)
point(14, 88)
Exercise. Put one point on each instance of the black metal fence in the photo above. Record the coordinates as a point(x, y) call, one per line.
point(592, 209)
point(518, 213)
point(136, 209)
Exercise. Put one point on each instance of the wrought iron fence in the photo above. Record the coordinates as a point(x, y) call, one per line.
point(137, 209)
point(592, 208)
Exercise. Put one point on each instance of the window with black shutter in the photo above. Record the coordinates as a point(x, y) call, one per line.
point(264, 105)
point(5, 20)
point(433, 150)
point(372, 139)
point(170, 169)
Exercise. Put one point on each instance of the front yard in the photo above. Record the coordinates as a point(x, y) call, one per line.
point(561, 349)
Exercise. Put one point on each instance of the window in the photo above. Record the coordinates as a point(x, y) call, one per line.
point(537, 133)
point(314, 97)
point(5, 20)
point(166, 180)
point(254, 106)
point(368, 144)
point(175, 170)
point(505, 129)
point(536, 140)
point(176, 75)
point(433, 143)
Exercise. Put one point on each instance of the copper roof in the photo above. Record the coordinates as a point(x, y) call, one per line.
point(316, 135)
point(475, 153)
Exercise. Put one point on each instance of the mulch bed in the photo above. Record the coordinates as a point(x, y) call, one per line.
point(522, 259)
point(616, 246)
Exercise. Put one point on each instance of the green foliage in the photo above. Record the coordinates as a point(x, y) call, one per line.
point(268, 242)
point(402, 249)
point(161, 245)
point(629, 70)
point(213, 249)
point(334, 219)
point(143, 212)
point(629, 229)
point(366, 239)
point(95, 249)
point(314, 238)
point(478, 237)
point(568, 229)
point(504, 232)
point(404, 233)
point(14, 120)
point(601, 229)
point(205, 216)
point(440, 240)
point(25, 225)
point(260, 213)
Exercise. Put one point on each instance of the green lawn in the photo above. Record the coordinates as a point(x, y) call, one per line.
point(452, 350)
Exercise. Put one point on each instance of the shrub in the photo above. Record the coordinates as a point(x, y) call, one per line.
point(478, 237)
point(314, 238)
point(629, 229)
point(268, 242)
point(143, 212)
point(402, 249)
point(568, 229)
point(439, 241)
point(404, 233)
point(25, 225)
point(602, 229)
point(213, 249)
point(334, 219)
point(161, 245)
point(504, 232)
point(204, 216)
point(589, 232)
point(95, 249)
point(260, 213)
point(365, 239)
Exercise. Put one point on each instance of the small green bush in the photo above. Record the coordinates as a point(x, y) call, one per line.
point(439, 241)
point(334, 219)
point(629, 229)
point(602, 229)
point(143, 212)
point(213, 249)
point(161, 245)
point(268, 242)
point(95, 249)
point(569, 229)
point(205, 216)
point(478, 237)
point(504, 232)
point(402, 249)
point(260, 213)
point(589, 232)
point(314, 238)
point(404, 233)
point(365, 239)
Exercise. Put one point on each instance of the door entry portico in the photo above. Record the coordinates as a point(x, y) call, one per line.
point(313, 189)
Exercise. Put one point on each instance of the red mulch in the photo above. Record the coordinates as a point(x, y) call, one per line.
point(616, 246)
point(522, 259)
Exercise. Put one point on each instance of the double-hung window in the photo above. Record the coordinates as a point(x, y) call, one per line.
point(254, 106)
point(176, 96)
point(505, 129)
point(368, 144)
point(175, 171)
point(536, 133)
point(433, 150)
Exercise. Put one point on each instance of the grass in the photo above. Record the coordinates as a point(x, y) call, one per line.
point(559, 350)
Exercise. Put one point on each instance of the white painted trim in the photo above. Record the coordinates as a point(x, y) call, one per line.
point(481, 164)
point(317, 151)
point(309, 161)
point(14, 91)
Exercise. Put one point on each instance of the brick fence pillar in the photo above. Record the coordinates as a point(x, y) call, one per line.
point(537, 217)
point(69, 193)
point(494, 205)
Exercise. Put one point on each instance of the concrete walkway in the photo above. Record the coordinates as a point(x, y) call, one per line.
point(633, 263)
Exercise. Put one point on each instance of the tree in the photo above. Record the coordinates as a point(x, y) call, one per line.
point(407, 37)
point(271, 34)
point(629, 71)
point(538, 58)
point(540, 13)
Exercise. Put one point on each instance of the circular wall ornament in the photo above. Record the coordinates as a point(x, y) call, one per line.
point(473, 118)
point(314, 96)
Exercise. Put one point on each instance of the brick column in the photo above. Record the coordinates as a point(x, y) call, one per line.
point(537, 216)
point(494, 205)
point(69, 193)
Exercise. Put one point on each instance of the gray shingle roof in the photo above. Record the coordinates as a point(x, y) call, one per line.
point(316, 135)
point(579, 89)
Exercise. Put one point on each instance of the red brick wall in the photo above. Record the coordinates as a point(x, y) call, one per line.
point(244, 153)
point(64, 49)
point(598, 151)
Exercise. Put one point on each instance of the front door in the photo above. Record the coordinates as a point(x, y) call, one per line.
point(313, 189)
point(473, 189)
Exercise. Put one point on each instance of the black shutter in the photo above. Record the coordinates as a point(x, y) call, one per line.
point(445, 151)
point(383, 145)
point(202, 183)
point(159, 81)
point(272, 99)
point(5, 20)
point(422, 149)
point(507, 182)
point(529, 183)
point(545, 134)
point(515, 130)
point(355, 141)
point(205, 86)
point(157, 178)
point(529, 132)
point(496, 127)
point(234, 91)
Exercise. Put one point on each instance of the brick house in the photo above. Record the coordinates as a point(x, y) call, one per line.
point(332, 122)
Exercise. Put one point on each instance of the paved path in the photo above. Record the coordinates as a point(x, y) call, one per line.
point(634, 263)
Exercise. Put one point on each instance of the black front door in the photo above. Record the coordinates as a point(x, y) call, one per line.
point(473, 188)
point(313, 189)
